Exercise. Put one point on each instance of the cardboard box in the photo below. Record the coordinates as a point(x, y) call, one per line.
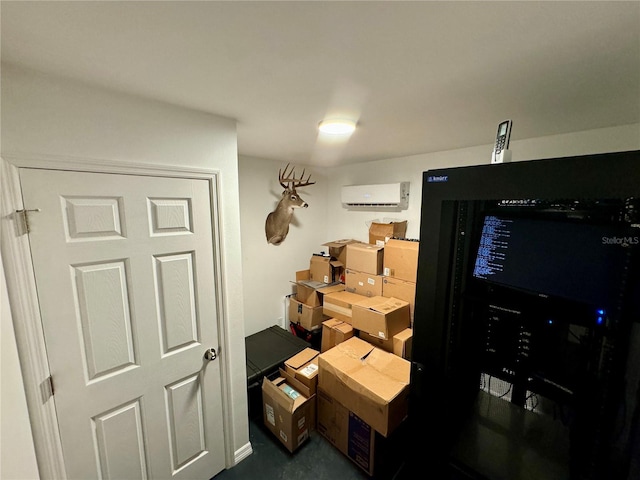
point(402, 289)
point(370, 382)
point(381, 317)
point(309, 318)
point(385, 344)
point(346, 431)
point(324, 269)
point(401, 259)
point(340, 305)
point(381, 233)
point(365, 258)
point(338, 249)
point(402, 343)
point(334, 331)
point(363, 283)
point(287, 409)
point(304, 367)
point(355, 438)
point(311, 293)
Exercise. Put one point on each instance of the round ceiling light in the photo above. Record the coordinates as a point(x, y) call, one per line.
point(337, 127)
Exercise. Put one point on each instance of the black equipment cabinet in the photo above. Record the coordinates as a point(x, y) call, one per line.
point(526, 346)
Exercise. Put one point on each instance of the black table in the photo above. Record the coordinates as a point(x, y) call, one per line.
point(267, 350)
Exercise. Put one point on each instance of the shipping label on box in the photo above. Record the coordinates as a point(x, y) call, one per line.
point(401, 259)
point(304, 367)
point(366, 258)
point(381, 233)
point(370, 382)
point(287, 409)
point(340, 305)
point(361, 283)
point(309, 318)
point(381, 316)
point(334, 331)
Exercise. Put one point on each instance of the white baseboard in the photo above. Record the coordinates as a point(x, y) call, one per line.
point(242, 453)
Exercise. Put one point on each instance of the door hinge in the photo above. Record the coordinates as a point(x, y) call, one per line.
point(22, 217)
point(47, 388)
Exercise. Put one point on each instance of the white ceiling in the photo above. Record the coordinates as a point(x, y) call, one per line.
point(418, 76)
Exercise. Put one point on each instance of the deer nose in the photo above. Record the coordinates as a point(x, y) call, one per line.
point(305, 205)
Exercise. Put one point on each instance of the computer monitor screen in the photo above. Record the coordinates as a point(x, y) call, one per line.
point(572, 260)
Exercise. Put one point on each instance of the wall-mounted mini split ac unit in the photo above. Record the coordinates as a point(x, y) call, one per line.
point(386, 195)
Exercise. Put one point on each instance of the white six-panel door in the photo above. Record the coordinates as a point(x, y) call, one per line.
point(125, 274)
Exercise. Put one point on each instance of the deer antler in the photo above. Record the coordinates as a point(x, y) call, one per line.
point(291, 179)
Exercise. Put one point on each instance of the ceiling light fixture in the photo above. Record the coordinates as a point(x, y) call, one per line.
point(337, 127)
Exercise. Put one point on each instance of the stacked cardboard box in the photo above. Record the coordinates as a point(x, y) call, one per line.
point(377, 455)
point(368, 381)
point(340, 305)
point(400, 271)
point(334, 331)
point(337, 249)
point(402, 289)
point(381, 233)
point(400, 344)
point(381, 317)
point(324, 269)
point(363, 283)
point(305, 309)
point(357, 387)
point(365, 258)
point(401, 259)
point(304, 368)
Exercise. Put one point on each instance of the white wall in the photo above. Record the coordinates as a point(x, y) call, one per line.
point(352, 224)
point(269, 269)
point(48, 117)
point(17, 452)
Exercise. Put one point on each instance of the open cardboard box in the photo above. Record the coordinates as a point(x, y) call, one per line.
point(304, 367)
point(381, 233)
point(370, 382)
point(399, 345)
point(288, 409)
point(338, 249)
point(325, 269)
point(311, 292)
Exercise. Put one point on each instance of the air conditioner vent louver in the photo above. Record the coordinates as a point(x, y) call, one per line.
point(387, 195)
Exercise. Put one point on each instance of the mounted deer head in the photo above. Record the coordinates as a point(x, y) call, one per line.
point(277, 224)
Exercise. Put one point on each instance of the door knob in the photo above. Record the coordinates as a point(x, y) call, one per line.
point(210, 354)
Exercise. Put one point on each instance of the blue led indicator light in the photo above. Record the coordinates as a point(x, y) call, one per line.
point(550, 322)
point(601, 312)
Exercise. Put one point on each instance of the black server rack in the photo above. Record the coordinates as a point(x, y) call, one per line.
point(526, 347)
